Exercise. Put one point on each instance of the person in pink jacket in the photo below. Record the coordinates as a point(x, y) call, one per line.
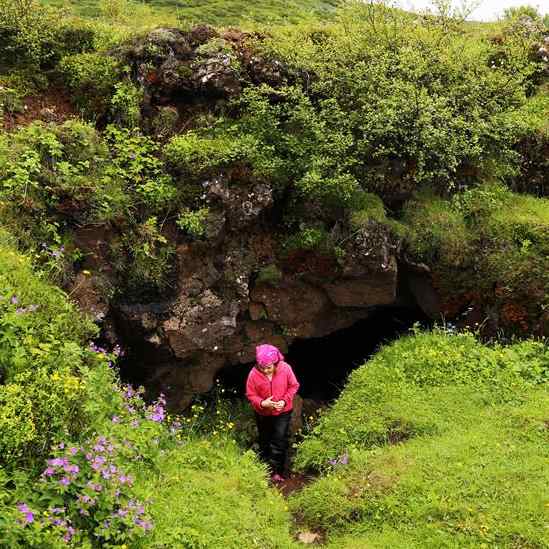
point(270, 388)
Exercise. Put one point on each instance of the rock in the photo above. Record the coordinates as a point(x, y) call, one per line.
point(241, 205)
point(257, 311)
point(89, 292)
point(294, 305)
point(308, 537)
point(377, 288)
point(424, 294)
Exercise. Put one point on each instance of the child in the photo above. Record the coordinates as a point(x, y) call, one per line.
point(270, 388)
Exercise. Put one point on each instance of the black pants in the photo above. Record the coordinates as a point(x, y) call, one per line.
point(273, 439)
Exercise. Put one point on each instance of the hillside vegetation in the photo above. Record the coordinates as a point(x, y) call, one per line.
point(427, 134)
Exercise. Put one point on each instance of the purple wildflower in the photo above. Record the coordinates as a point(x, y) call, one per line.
point(48, 472)
point(145, 524)
point(28, 514)
point(14, 300)
point(73, 451)
point(115, 419)
point(64, 481)
point(70, 533)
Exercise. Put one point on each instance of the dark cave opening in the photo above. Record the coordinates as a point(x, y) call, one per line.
point(323, 364)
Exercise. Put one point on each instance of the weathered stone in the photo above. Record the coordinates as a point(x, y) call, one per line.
point(295, 306)
point(241, 204)
point(296, 423)
point(425, 294)
point(379, 288)
point(90, 295)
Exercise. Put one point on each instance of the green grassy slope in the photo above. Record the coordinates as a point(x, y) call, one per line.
point(441, 443)
point(218, 12)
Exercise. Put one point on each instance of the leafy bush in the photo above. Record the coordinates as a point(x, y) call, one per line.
point(150, 258)
point(196, 156)
point(42, 394)
point(193, 222)
point(92, 77)
point(126, 104)
point(486, 245)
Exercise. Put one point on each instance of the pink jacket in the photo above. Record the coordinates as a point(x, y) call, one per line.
point(282, 386)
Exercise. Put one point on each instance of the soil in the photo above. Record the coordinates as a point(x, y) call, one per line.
point(293, 483)
point(53, 105)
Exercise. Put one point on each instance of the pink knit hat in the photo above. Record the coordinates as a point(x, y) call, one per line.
point(267, 354)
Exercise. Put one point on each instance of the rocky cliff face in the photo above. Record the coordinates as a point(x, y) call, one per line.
point(236, 289)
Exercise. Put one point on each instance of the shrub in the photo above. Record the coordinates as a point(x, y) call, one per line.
point(270, 274)
point(135, 162)
point(126, 105)
point(196, 156)
point(92, 78)
point(42, 395)
point(193, 222)
point(150, 258)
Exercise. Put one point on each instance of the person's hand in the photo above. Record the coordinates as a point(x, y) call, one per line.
point(268, 403)
point(279, 405)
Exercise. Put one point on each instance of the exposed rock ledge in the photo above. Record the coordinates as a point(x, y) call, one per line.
point(220, 309)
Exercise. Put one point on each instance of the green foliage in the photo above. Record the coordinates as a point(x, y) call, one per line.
point(270, 274)
point(487, 242)
point(194, 156)
point(150, 257)
point(308, 238)
point(126, 105)
point(41, 353)
point(456, 489)
point(36, 37)
point(92, 79)
point(193, 222)
point(135, 162)
point(405, 123)
point(213, 12)
point(375, 408)
point(10, 101)
point(521, 11)
point(49, 175)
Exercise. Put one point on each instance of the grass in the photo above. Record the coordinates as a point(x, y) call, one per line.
point(218, 12)
point(463, 460)
point(207, 494)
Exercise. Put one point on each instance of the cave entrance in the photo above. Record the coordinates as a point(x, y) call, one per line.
point(323, 364)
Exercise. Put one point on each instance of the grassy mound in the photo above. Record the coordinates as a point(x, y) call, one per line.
point(210, 495)
point(436, 442)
